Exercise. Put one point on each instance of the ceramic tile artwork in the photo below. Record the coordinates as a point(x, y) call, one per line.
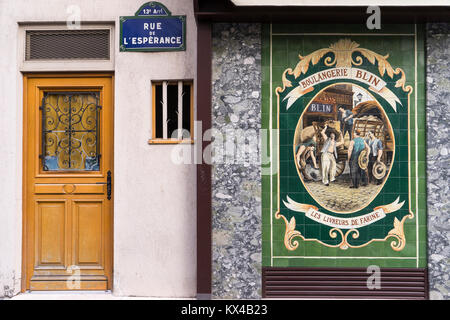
point(347, 183)
point(231, 251)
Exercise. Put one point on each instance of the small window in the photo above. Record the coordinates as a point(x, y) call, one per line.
point(172, 112)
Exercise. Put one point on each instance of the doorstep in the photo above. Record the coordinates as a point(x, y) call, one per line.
point(82, 295)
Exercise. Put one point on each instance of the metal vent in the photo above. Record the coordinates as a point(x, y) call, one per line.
point(343, 283)
point(67, 44)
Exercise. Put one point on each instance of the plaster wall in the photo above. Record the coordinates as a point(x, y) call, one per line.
point(154, 198)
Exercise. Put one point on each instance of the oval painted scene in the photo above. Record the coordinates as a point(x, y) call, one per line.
point(344, 148)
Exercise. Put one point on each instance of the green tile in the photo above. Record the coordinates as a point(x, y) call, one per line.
point(265, 261)
point(281, 263)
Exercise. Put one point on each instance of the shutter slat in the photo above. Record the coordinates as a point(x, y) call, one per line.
point(344, 283)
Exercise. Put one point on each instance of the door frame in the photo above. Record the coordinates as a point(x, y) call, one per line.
point(25, 147)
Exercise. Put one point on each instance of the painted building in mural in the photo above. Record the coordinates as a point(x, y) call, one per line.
point(175, 149)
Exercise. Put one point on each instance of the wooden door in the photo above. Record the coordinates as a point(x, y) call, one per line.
point(68, 162)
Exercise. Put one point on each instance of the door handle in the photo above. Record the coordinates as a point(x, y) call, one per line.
point(108, 185)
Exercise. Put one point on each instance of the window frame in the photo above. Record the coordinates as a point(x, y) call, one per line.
point(168, 140)
point(68, 65)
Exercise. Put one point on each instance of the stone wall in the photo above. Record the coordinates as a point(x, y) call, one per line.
point(154, 197)
point(438, 160)
point(236, 177)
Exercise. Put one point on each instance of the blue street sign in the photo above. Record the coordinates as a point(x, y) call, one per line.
point(153, 28)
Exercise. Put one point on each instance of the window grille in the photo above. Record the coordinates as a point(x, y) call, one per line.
point(172, 111)
point(70, 131)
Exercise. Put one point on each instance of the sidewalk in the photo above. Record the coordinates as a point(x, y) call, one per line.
point(82, 295)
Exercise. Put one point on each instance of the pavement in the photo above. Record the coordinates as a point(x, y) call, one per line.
point(82, 295)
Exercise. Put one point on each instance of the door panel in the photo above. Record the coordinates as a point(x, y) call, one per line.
point(50, 233)
point(69, 188)
point(88, 226)
point(68, 140)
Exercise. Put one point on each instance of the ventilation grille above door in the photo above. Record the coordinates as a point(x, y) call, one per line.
point(67, 44)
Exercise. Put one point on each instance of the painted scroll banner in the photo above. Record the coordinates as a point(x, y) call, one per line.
point(375, 83)
point(312, 212)
point(345, 223)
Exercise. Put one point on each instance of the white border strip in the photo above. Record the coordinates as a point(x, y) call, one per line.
point(343, 34)
point(271, 153)
point(416, 146)
point(328, 257)
point(338, 3)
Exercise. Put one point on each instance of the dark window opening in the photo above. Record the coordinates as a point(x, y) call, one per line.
point(172, 110)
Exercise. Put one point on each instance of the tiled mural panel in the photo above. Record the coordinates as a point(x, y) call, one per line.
point(348, 184)
point(237, 228)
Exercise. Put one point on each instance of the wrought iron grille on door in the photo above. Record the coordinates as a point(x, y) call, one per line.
point(70, 131)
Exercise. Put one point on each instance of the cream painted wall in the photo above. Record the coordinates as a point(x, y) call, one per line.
point(154, 199)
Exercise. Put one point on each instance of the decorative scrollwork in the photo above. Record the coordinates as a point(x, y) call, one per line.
point(399, 235)
point(70, 131)
point(290, 233)
point(397, 244)
point(342, 56)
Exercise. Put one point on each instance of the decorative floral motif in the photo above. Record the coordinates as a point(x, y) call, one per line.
point(290, 233)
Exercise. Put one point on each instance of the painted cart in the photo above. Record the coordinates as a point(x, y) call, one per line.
point(367, 117)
